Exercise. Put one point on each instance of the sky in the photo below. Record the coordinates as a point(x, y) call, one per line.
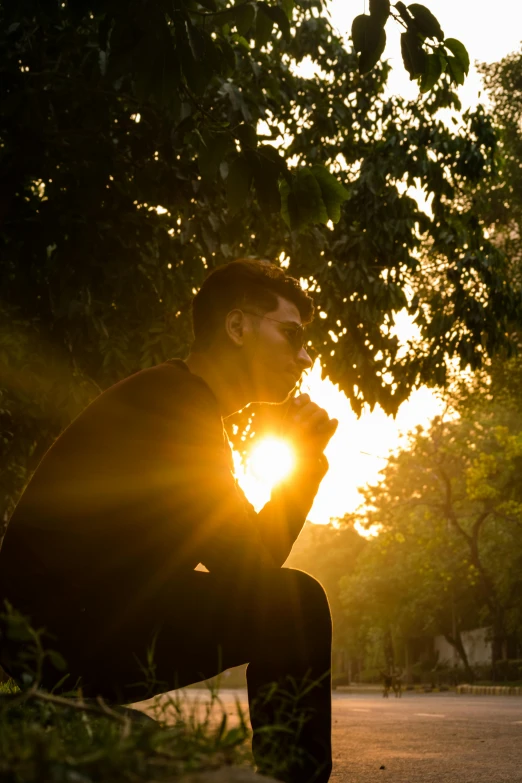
point(360, 447)
point(489, 29)
point(357, 452)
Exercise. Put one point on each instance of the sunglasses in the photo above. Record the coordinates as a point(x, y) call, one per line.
point(294, 333)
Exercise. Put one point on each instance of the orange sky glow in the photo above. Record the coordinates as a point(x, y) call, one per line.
point(356, 453)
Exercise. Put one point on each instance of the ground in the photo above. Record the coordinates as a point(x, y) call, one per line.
point(433, 738)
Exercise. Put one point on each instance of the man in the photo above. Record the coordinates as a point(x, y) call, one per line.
point(139, 489)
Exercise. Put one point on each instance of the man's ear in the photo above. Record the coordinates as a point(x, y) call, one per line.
point(235, 327)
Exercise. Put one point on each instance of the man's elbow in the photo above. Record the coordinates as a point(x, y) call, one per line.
point(238, 562)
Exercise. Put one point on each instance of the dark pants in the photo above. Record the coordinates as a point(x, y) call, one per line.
point(279, 624)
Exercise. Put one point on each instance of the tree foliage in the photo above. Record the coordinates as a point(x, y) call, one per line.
point(501, 205)
point(426, 53)
point(139, 150)
point(449, 554)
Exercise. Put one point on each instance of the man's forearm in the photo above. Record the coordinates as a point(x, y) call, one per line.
point(283, 517)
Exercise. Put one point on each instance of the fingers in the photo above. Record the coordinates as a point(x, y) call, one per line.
point(307, 411)
point(301, 401)
point(318, 419)
point(330, 427)
point(310, 415)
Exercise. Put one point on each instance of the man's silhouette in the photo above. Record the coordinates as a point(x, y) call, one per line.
point(139, 489)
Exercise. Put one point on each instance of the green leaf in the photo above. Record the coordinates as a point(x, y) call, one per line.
point(432, 72)
point(244, 16)
point(369, 39)
point(369, 58)
point(456, 70)
point(302, 201)
point(238, 183)
point(57, 660)
point(229, 57)
point(278, 16)
point(268, 166)
point(210, 5)
point(264, 25)
point(380, 9)
point(309, 198)
point(332, 191)
point(287, 213)
point(196, 64)
point(212, 149)
point(247, 136)
point(361, 26)
point(413, 55)
point(459, 50)
point(426, 22)
point(288, 7)
point(403, 11)
point(239, 39)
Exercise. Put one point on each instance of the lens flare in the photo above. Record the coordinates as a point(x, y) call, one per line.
point(271, 460)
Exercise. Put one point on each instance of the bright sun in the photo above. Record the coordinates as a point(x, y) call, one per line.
point(357, 452)
point(271, 460)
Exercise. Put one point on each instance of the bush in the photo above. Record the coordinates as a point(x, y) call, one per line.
point(370, 676)
point(508, 670)
point(59, 738)
point(340, 679)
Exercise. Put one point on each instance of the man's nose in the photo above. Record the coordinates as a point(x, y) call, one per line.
point(304, 360)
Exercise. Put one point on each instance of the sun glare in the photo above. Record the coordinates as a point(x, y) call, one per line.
point(357, 452)
point(271, 460)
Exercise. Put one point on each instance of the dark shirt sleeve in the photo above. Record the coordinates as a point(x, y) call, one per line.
point(141, 485)
point(280, 521)
point(226, 532)
point(221, 526)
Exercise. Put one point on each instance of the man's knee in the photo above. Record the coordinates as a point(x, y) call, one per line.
point(305, 592)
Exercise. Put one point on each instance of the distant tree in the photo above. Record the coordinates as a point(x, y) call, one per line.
point(449, 553)
point(139, 150)
point(328, 552)
point(501, 205)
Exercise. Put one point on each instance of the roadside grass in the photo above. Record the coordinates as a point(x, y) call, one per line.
point(503, 683)
point(66, 738)
point(44, 737)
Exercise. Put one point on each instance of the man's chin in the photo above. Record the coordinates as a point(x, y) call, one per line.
point(284, 397)
point(276, 397)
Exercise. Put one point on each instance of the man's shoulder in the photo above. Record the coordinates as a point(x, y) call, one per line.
point(169, 383)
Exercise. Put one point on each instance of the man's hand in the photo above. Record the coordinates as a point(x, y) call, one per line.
point(309, 425)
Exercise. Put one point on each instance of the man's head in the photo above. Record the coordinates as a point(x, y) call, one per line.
point(251, 315)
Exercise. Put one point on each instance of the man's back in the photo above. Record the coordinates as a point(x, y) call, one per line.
point(125, 493)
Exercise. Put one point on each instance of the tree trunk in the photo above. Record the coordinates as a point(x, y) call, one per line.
point(497, 642)
point(456, 642)
point(408, 676)
point(389, 652)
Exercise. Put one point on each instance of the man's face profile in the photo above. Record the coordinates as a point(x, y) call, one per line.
point(273, 351)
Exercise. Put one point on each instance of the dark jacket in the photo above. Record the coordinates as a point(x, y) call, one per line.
point(138, 488)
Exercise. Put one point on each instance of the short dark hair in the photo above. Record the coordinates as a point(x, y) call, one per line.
point(245, 282)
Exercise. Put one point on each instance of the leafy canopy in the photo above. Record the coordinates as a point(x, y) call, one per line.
point(128, 174)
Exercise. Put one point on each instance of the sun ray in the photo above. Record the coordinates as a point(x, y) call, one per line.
point(357, 452)
point(271, 460)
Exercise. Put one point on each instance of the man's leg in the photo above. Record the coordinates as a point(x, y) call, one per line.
point(279, 623)
point(296, 658)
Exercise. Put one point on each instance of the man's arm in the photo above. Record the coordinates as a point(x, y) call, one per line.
point(282, 518)
point(222, 529)
point(310, 429)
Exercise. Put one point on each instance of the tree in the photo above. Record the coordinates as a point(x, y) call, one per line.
point(118, 196)
point(450, 549)
point(501, 205)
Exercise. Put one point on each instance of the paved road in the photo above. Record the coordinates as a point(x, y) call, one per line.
point(432, 738)
point(435, 738)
